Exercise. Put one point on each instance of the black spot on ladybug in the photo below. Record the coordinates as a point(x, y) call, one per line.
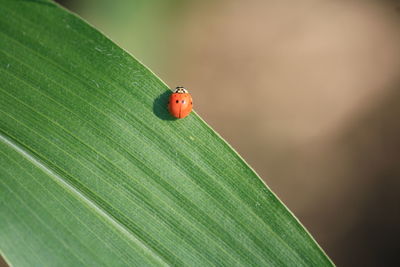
point(177, 101)
point(183, 101)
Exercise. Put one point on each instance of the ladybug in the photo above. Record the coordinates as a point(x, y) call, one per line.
point(180, 103)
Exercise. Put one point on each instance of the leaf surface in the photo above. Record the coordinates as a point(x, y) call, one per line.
point(94, 171)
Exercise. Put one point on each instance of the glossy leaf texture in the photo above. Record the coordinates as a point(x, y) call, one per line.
point(95, 172)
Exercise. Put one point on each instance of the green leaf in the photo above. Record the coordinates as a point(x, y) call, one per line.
point(94, 171)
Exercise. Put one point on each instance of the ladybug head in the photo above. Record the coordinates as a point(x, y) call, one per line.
point(180, 90)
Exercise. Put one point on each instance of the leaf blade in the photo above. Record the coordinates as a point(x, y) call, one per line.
point(85, 110)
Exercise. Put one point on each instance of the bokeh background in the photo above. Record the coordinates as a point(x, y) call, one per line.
point(307, 91)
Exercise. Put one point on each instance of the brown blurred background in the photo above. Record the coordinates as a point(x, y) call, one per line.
point(307, 91)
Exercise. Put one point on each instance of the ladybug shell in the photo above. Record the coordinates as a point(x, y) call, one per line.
point(180, 105)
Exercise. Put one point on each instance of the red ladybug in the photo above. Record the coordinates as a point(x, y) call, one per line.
point(180, 103)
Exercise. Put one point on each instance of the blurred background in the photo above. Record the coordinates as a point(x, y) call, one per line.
point(307, 91)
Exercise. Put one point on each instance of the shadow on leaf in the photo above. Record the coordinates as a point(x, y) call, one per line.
point(160, 106)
